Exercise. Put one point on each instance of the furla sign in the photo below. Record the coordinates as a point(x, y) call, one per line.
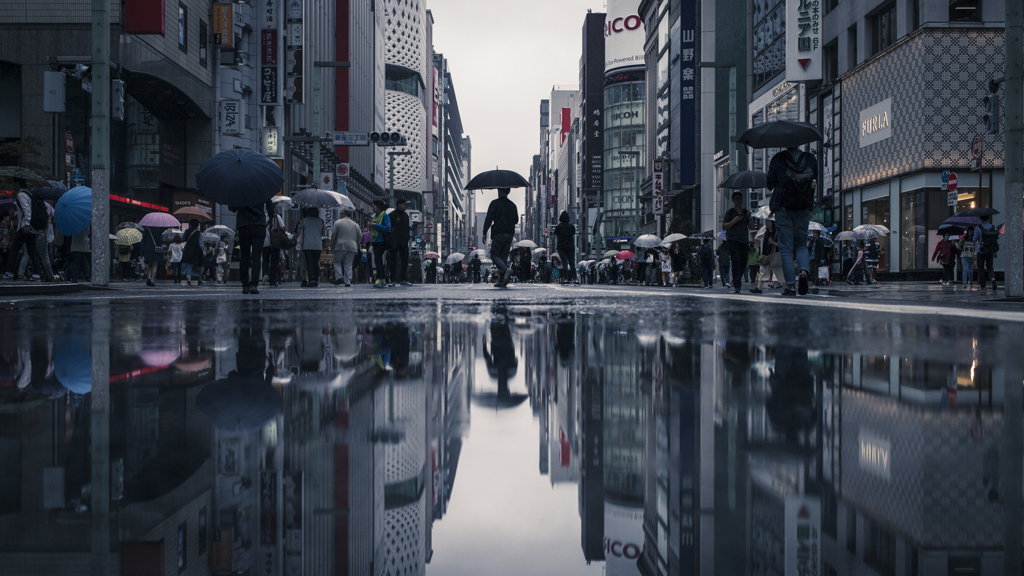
point(876, 123)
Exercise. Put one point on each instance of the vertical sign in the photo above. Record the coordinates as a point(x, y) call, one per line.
point(803, 535)
point(270, 92)
point(826, 160)
point(683, 43)
point(268, 557)
point(221, 553)
point(803, 40)
point(291, 485)
point(658, 187)
point(232, 116)
point(223, 35)
point(293, 53)
point(592, 86)
point(687, 475)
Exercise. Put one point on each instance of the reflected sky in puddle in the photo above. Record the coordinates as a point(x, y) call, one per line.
point(334, 438)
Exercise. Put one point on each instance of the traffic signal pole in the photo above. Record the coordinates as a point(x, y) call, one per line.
point(1013, 155)
point(100, 143)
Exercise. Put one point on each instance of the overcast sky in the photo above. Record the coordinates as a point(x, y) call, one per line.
point(504, 59)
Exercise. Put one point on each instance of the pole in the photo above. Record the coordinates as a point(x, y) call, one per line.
point(100, 142)
point(1014, 151)
point(99, 432)
point(1012, 469)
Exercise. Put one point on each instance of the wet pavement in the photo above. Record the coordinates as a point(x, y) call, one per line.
point(446, 430)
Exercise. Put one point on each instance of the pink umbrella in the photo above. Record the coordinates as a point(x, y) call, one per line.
point(159, 220)
point(431, 255)
point(159, 357)
point(624, 255)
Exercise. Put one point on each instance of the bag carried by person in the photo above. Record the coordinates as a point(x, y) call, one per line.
point(704, 254)
point(989, 241)
point(944, 253)
point(763, 260)
point(279, 236)
point(798, 183)
point(39, 214)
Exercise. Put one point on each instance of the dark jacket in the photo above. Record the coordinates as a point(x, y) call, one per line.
point(193, 252)
point(503, 215)
point(566, 235)
point(400, 226)
point(252, 215)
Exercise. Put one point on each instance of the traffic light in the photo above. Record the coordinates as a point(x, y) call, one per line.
point(992, 113)
point(117, 99)
point(387, 138)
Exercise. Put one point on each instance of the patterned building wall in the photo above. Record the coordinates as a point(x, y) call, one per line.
point(406, 114)
point(936, 471)
point(936, 80)
point(405, 33)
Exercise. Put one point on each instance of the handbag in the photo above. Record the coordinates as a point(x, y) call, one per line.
point(279, 239)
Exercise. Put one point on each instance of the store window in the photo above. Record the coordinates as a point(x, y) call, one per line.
point(10, 100)
point(965, 10)
point(399, 79)
point(877, 212)
point(883, 28)
point(769, 40)
point(921, 213)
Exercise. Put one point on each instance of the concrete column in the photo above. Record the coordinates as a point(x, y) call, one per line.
point(863, 39)
point(709, 207)
point(99, 435)
point(843, 52)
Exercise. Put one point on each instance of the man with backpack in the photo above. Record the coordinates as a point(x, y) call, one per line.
point(872, 255)
point(986, 238)
point(706, 259)
point(791, 176)
point(32, 220)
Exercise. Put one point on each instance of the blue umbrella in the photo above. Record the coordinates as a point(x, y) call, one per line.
point(239, 178)
point(73, 213)
point(72, 365)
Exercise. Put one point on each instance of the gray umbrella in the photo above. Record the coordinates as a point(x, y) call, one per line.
point(977, 212)
point(780, 134)
point(239, 178)
point(745, 179)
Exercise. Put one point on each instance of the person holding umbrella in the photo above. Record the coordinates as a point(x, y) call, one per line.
point(251, 223)
point(192, 255)
point(986, 238)
point(503, 215)
point(791, 174)
point(566, 235)
point(967, 248)
point(736, 223)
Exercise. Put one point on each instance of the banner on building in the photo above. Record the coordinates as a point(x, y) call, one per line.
point(803, 40)
point(658, 187)
point(803, 535)
point(223, 25)
point(231, 118)
point(683, 44)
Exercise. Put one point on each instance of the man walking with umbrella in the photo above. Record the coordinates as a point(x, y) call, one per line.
point(503, 215)
point(252, 229)
point(737, 223)
point(791, 175)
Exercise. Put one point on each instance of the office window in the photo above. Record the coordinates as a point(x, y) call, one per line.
point(883, 29)
point(830, 5)
point(203, 39)
point(182, 546)
point(10, 100)
point(852, 44)
point(965, 10)
point(830, 63)
point(182, 28)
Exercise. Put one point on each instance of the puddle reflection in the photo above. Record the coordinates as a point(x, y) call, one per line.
point(293, 442)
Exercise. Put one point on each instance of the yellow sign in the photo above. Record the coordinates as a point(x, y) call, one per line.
point(223, 35)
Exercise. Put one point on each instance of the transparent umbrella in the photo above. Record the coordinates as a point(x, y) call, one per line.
point(647, 241)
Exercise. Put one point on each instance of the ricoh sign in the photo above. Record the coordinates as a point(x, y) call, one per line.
point(623, 36)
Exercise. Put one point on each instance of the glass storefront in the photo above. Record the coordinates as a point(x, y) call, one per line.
point(921, 212)
point(624, 153)
point(877, 212)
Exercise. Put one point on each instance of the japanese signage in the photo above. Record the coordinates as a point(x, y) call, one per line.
point(803, 40)
point(293, 53)
point(268, 556)
point(803, 535)
point(683, 45)
point(592, 87)
point(231, 118)
point(268, 47)
point(658, 187)
point(268, 14)
point(223, 35)
point(291, 489)
point(623, 36)
point(221, 553)
point(269, 86)
point(271, 141)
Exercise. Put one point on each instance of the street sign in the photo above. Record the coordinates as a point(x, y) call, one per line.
point(951, 199)
point(343, 169)
point(78, 179)
point(351, 139)
point(977, 146)
point(952, 182)
point(69, 143)
point(945, 175)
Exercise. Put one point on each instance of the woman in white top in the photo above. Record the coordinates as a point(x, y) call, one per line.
point(224, 259)
point(311, 233)
point(174, 257)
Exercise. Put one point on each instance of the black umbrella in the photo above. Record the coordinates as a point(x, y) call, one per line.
point(497, 179)
point(498, 400)
point(780, 134)
point(976, 212)
point(954, 229)
point(745, 179)
point(239, 178)
point(237, 404)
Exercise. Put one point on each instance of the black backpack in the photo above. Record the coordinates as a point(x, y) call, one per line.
point(704, 254)
point(797, 185)
point(989, 241)
point(39, 215)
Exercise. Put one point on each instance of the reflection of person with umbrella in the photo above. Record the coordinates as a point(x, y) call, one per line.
point(791, 407)
point(501, 359)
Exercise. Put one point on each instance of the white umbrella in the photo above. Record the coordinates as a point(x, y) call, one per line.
point(816, 226)
point(760, 233)
point(344, 202)
point(283, 202)
point(220, 230)
point(876, 229)
point(539, 250)
point(457, 257)
point(648, 241)
point(673, 238)
point(170, 233)
point(316, 198)
point(478, 253)
point(761, 213)
point(525, 244)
